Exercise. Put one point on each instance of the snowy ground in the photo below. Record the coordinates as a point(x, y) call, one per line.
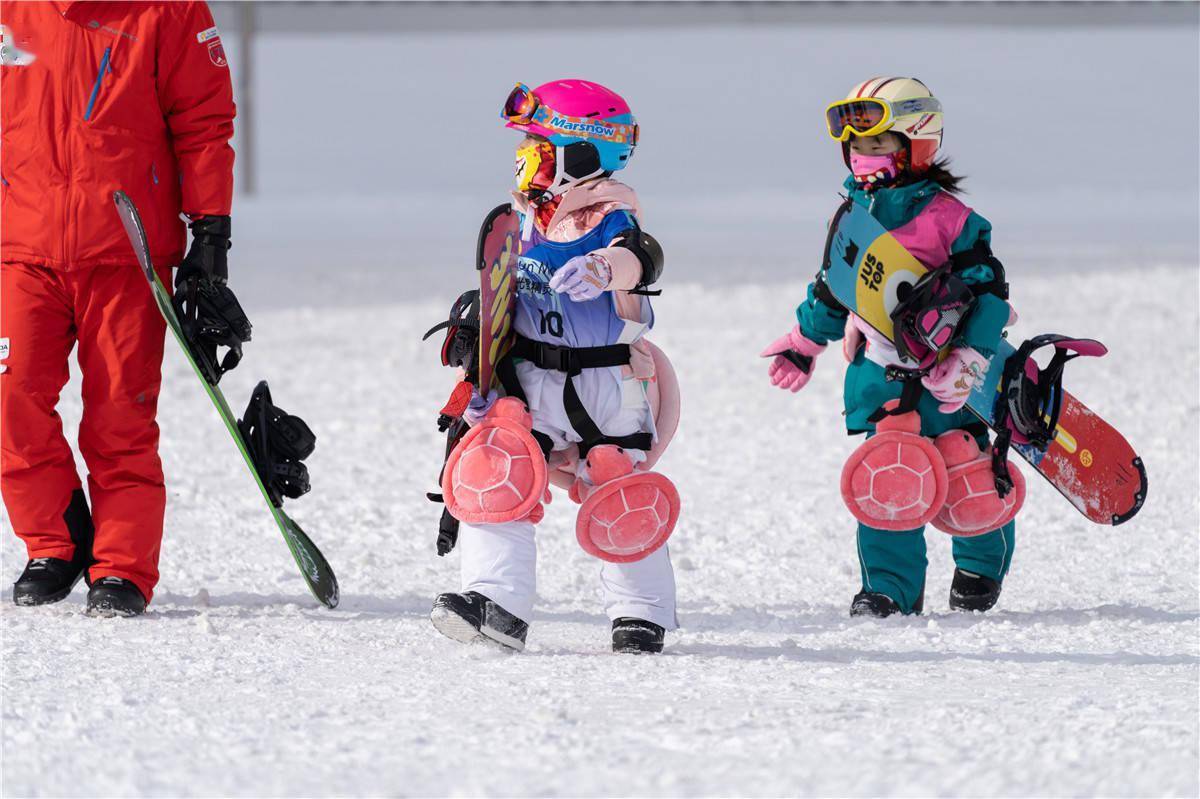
point(1083, 682)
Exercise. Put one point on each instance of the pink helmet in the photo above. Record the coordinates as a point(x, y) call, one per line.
point(571, 111)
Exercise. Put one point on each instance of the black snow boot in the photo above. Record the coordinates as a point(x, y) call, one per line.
point(636, 636)
point(473, 617)
point(47, 580)
point(973, 592)
point(115, 596)
point(869, 603)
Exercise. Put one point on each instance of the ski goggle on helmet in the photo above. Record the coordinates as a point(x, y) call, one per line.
point(567, 112)
point(903, 106)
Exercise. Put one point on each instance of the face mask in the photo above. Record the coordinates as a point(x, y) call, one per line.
point(535, 167)
point(874, 171)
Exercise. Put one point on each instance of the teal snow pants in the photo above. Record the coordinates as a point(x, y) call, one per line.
point(893, 562)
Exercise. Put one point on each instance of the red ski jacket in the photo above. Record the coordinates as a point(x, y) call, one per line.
point(98, 96)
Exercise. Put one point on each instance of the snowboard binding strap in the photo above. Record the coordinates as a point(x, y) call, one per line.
point(461, 345)
point(277, 443)
point(212, 317)
point(1031, 398)
point(929, 314)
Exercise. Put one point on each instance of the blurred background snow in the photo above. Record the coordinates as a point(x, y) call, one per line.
point(377, 146)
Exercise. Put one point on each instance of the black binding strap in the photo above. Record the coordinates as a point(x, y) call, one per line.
point(1030, 406)
point(910, 395)
point(277, 442)
point(572, 361)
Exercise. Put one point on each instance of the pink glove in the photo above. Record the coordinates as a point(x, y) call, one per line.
point(584, 277)
point(479, 406)
point(951, 381)
point(794, 355)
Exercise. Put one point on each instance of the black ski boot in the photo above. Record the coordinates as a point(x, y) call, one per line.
point(971, 592)
point(115, 596)
point(473, 617)
point(636, 636)
point(869, 603)
point(47, 580)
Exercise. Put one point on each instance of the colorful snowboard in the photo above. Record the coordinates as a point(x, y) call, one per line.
point(314, 568)
point(496, 254)
point(499, 249)
point(1089, 462)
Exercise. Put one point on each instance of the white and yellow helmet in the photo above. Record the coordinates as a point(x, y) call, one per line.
point(904, 106)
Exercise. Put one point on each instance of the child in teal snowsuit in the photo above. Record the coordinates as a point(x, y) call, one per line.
point(890, 130)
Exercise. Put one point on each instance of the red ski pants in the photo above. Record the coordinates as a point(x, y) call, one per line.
point(110, 314)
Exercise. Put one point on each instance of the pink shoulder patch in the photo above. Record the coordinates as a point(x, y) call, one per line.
point(930, 235)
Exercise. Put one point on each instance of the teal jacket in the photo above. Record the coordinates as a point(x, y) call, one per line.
point(898, 208)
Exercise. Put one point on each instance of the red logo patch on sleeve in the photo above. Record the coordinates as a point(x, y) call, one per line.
point(216, 53)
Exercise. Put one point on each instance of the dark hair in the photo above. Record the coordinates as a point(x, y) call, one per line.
point(939, 172)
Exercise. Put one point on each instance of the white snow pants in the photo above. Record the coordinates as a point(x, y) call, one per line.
point(500, 560)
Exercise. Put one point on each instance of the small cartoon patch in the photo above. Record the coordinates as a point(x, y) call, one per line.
point(211, 33)
point(216, 53)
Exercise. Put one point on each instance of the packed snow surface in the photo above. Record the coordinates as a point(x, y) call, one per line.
point(1082, 682)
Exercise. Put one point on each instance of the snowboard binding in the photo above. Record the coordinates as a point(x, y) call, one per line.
point(1031, 398)
point(278, 443)
point(460, 349)
point(461, 345)
point(212, 317)
point(928, 315)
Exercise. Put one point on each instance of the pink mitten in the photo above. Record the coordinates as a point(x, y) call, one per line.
point(793, 360)
point(951, 381)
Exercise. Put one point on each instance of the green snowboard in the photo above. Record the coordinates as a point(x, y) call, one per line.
point(313, 567)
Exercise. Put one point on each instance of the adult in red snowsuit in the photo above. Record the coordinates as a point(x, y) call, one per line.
point(95, 97)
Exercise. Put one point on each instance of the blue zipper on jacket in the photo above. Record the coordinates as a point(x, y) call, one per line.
point(96, 86)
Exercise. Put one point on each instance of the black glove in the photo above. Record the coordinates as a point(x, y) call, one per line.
point(208, 255)
point(208, 311)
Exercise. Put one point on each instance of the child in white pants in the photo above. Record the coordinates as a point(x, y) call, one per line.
point(581, 369)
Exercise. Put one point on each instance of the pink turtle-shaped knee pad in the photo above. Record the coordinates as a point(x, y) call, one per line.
point(896, 480)
point(497, 473)
point(628, 514)
point(973, 506)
